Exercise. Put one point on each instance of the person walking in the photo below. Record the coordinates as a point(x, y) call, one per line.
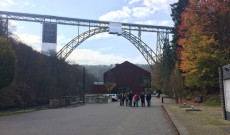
point(134, 100)
point(122, 98)
point(142, 99)
point(157, 95)
point(148, 99)
point(137, 100)
point(126, 99)
point(130, 98)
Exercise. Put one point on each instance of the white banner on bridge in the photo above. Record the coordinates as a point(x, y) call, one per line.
point(115, 28)
point(47, 47)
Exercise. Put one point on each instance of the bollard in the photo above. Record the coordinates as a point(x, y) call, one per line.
point(192, 107)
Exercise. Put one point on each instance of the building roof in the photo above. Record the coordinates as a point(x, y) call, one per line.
point(126, 64)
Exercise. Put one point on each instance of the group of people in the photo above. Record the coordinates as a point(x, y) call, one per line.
point(132, 100)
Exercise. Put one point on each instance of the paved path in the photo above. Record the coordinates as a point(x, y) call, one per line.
point(90, 119)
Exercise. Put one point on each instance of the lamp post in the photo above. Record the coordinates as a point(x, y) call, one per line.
point(83, 98)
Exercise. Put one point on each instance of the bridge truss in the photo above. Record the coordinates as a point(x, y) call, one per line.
point(96, 27)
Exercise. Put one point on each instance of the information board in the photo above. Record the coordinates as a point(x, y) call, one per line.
point(227, 94)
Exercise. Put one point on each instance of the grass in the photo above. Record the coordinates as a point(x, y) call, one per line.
point(206, 122)
point(2, 114)
point(213, 103)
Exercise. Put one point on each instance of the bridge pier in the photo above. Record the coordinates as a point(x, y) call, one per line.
point(49, 37)
point(162, 37)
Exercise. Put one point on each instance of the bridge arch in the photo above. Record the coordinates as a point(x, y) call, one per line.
point(149, 55)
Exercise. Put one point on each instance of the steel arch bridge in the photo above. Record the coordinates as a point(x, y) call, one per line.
point(146, 51)
point(96, 27)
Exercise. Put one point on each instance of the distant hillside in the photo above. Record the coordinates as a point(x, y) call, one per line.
point(99, 70)
point(145, 67)
point(40, 77)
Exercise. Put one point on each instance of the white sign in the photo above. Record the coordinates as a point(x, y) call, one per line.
point(47, 47)
point(115, 28)
point(227, 94)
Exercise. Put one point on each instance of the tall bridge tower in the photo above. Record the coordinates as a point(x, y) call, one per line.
point(49, 37)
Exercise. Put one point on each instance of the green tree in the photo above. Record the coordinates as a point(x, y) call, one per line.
point(167, 59)
point(163, 69)
point(158, 77)
point(176, 83)
point(167, 67)
point(3, 28)
point(7, 63)
point(177, 9)
point(24, 97)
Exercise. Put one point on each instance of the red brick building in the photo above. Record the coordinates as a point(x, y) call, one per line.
point(125, 77)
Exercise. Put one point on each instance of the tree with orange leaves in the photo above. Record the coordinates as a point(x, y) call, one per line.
point(204, 32)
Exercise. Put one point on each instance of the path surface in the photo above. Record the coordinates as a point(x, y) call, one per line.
point(90, 119)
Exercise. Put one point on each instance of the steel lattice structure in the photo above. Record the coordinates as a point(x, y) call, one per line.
point(146, 51)
point(69, 47)
point(96, 27)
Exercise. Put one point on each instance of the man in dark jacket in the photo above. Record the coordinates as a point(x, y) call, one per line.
point(148, 98)
point(122, 99)
point(130, 98)
point(142, 99)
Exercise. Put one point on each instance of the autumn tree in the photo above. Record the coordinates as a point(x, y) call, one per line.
point(203, 49)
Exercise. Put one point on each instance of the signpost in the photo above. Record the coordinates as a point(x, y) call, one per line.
point(224, 80)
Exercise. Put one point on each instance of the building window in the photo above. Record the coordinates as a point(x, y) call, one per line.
point(145, 82)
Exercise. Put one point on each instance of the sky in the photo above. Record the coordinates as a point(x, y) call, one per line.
point(101, 49)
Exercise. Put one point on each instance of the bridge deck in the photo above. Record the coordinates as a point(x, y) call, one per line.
point(79, 22)
point(90, 119)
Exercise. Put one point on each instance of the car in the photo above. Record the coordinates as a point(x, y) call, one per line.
point(113, 96)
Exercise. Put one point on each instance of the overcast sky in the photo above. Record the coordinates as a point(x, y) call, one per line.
point(103, 48)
